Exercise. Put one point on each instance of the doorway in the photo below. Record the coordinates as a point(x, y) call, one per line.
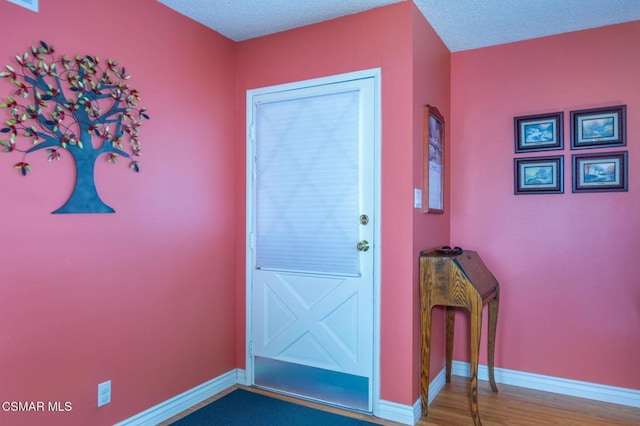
point(313, 228)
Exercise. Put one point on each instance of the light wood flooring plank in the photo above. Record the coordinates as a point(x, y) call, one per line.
point(518, 406)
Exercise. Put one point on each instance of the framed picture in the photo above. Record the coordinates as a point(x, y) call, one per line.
point(539, 175)
point(433, 161)
point(542, 132)
point(599, 127)
point(601, 172)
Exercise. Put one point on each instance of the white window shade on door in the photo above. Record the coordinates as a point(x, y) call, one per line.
point(307, 176)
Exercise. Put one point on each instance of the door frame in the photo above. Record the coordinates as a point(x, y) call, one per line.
point(374, 73)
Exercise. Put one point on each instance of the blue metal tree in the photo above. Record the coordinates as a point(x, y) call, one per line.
point(78, 105)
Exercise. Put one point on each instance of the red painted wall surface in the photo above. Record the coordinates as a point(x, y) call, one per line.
point(144, 297)
point(379, 38)
point(152, 297)
point(431, 75)
point(568, 264)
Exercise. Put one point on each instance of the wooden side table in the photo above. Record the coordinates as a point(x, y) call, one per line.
point(456, 278)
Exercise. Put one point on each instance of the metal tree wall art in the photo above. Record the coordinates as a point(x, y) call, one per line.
point(82, 106)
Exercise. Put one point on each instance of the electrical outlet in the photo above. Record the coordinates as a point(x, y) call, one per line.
point(104, 393)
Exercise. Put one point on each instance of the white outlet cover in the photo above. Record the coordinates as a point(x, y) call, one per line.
point(104, 393)
point(417, 198)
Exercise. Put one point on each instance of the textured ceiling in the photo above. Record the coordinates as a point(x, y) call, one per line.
point(469, 24)
point(461, 24)
point(244, 19)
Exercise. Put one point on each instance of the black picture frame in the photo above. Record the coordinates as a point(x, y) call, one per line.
point(539, 175)
point(600, 172)
point(540, 132)
point(599, 127)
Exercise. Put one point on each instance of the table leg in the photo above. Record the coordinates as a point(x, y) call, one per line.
point(425, 313)
point(451, 322)
point(493, 321)
point(474, 343)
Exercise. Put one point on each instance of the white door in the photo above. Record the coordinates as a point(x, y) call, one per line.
point(312, 193)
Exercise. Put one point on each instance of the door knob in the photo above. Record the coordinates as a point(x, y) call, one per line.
point(363, 245)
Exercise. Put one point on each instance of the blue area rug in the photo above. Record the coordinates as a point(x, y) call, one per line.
point(244, 408)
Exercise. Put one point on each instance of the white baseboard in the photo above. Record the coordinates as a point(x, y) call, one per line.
point(242, 377)
point(406, 414)
point(594, 391)
point(185, 400)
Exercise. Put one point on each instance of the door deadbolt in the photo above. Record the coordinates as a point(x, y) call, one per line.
point(364, 219)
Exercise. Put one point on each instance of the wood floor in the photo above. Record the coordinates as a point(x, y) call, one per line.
point(510, 406)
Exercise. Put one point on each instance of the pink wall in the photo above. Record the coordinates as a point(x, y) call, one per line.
point(568, 264)
point(143, 297)
point(431, 75)
point(166, 311)
point(378, 38)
